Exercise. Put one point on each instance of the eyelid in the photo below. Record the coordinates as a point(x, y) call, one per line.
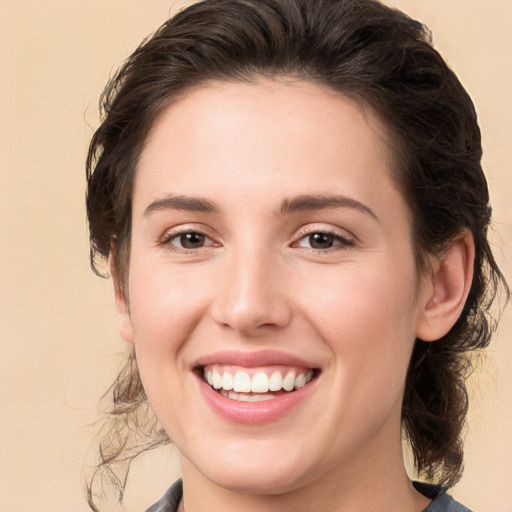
point(175, 232)
point(345, 238)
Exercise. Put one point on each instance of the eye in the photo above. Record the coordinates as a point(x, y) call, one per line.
point(188, 240)
point(322, 241)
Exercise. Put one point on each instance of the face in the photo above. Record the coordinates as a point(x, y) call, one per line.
point(273, 295)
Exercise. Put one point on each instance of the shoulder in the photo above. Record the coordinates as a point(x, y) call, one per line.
point(441, 501)
point(170, 500)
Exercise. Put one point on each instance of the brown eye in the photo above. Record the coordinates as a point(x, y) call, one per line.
point(191, 240)
point(321, 241)
point(187, 240)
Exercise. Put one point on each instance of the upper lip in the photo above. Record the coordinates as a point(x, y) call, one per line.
point(253, 359)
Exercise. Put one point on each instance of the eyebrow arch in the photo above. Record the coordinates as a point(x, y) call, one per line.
point(321, 202)
point(173, 202)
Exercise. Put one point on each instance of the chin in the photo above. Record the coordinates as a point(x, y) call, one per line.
point(272, 474)
point(258, 482)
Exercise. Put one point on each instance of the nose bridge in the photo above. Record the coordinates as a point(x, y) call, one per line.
point(250, 297)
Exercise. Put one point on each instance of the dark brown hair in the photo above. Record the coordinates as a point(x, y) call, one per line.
point(365, 51)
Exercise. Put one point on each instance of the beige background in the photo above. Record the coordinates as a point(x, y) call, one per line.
point(58, 342)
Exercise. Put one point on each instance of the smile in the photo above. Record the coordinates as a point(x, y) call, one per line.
point(255, 384)
point(254, 388)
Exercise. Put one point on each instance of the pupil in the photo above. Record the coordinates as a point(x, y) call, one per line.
point(192, 240)
point(320, 241)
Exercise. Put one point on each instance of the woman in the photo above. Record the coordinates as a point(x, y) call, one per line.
point(290, 197)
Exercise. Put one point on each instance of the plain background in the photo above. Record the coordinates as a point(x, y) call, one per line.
point(59, 347)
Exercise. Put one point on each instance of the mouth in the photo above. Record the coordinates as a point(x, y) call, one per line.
point(259, 384)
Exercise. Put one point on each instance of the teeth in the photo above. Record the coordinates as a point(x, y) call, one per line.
point(244, 397)
point(275, 382)
point(259, 383)
point(241, 381)
point(227, 381)
point(255, 398)
point(217, 380)
point(300, 381)
point(289, 381)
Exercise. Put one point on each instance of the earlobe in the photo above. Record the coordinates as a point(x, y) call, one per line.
point(123, 310)
point(446, 289)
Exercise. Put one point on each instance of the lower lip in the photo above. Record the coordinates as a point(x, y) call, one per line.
point(254, 413)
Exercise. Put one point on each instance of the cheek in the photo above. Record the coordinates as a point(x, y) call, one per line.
point(363, 299)
point(164, 307)
point(367, 317)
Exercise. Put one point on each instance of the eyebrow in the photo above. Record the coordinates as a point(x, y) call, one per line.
point(172, 202)
point(293, 205)
point(321, 202)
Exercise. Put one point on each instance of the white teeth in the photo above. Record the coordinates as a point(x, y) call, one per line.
point(244, 397)
point(275, 382)
point(300, 381)
point(259, 383)
point(242, 382)
point(227, 381)
point(217, 380)
point(289, 381)
point(252, 398)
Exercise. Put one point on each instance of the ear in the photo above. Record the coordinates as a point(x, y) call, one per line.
point(123, 310)
point(445, 291)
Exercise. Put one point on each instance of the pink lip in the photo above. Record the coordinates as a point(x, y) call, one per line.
point(254, 413)
point(253, 359)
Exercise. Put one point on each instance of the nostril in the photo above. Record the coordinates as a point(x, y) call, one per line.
point(252, 322)
point(248, 300)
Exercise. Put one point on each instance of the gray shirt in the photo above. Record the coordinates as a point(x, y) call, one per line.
point(442, 502)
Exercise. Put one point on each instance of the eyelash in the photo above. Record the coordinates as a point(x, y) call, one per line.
point(169, 237)
point(343, 242)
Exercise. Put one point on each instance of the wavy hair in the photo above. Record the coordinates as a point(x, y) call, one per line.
point(363, 50)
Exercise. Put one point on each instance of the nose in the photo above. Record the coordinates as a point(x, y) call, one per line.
point(252, 297)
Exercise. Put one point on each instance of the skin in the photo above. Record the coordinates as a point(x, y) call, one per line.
point(352, 310)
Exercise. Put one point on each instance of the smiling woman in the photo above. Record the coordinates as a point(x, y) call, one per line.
point(290, 197)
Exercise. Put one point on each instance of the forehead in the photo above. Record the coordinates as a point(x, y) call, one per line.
point(257, 131)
